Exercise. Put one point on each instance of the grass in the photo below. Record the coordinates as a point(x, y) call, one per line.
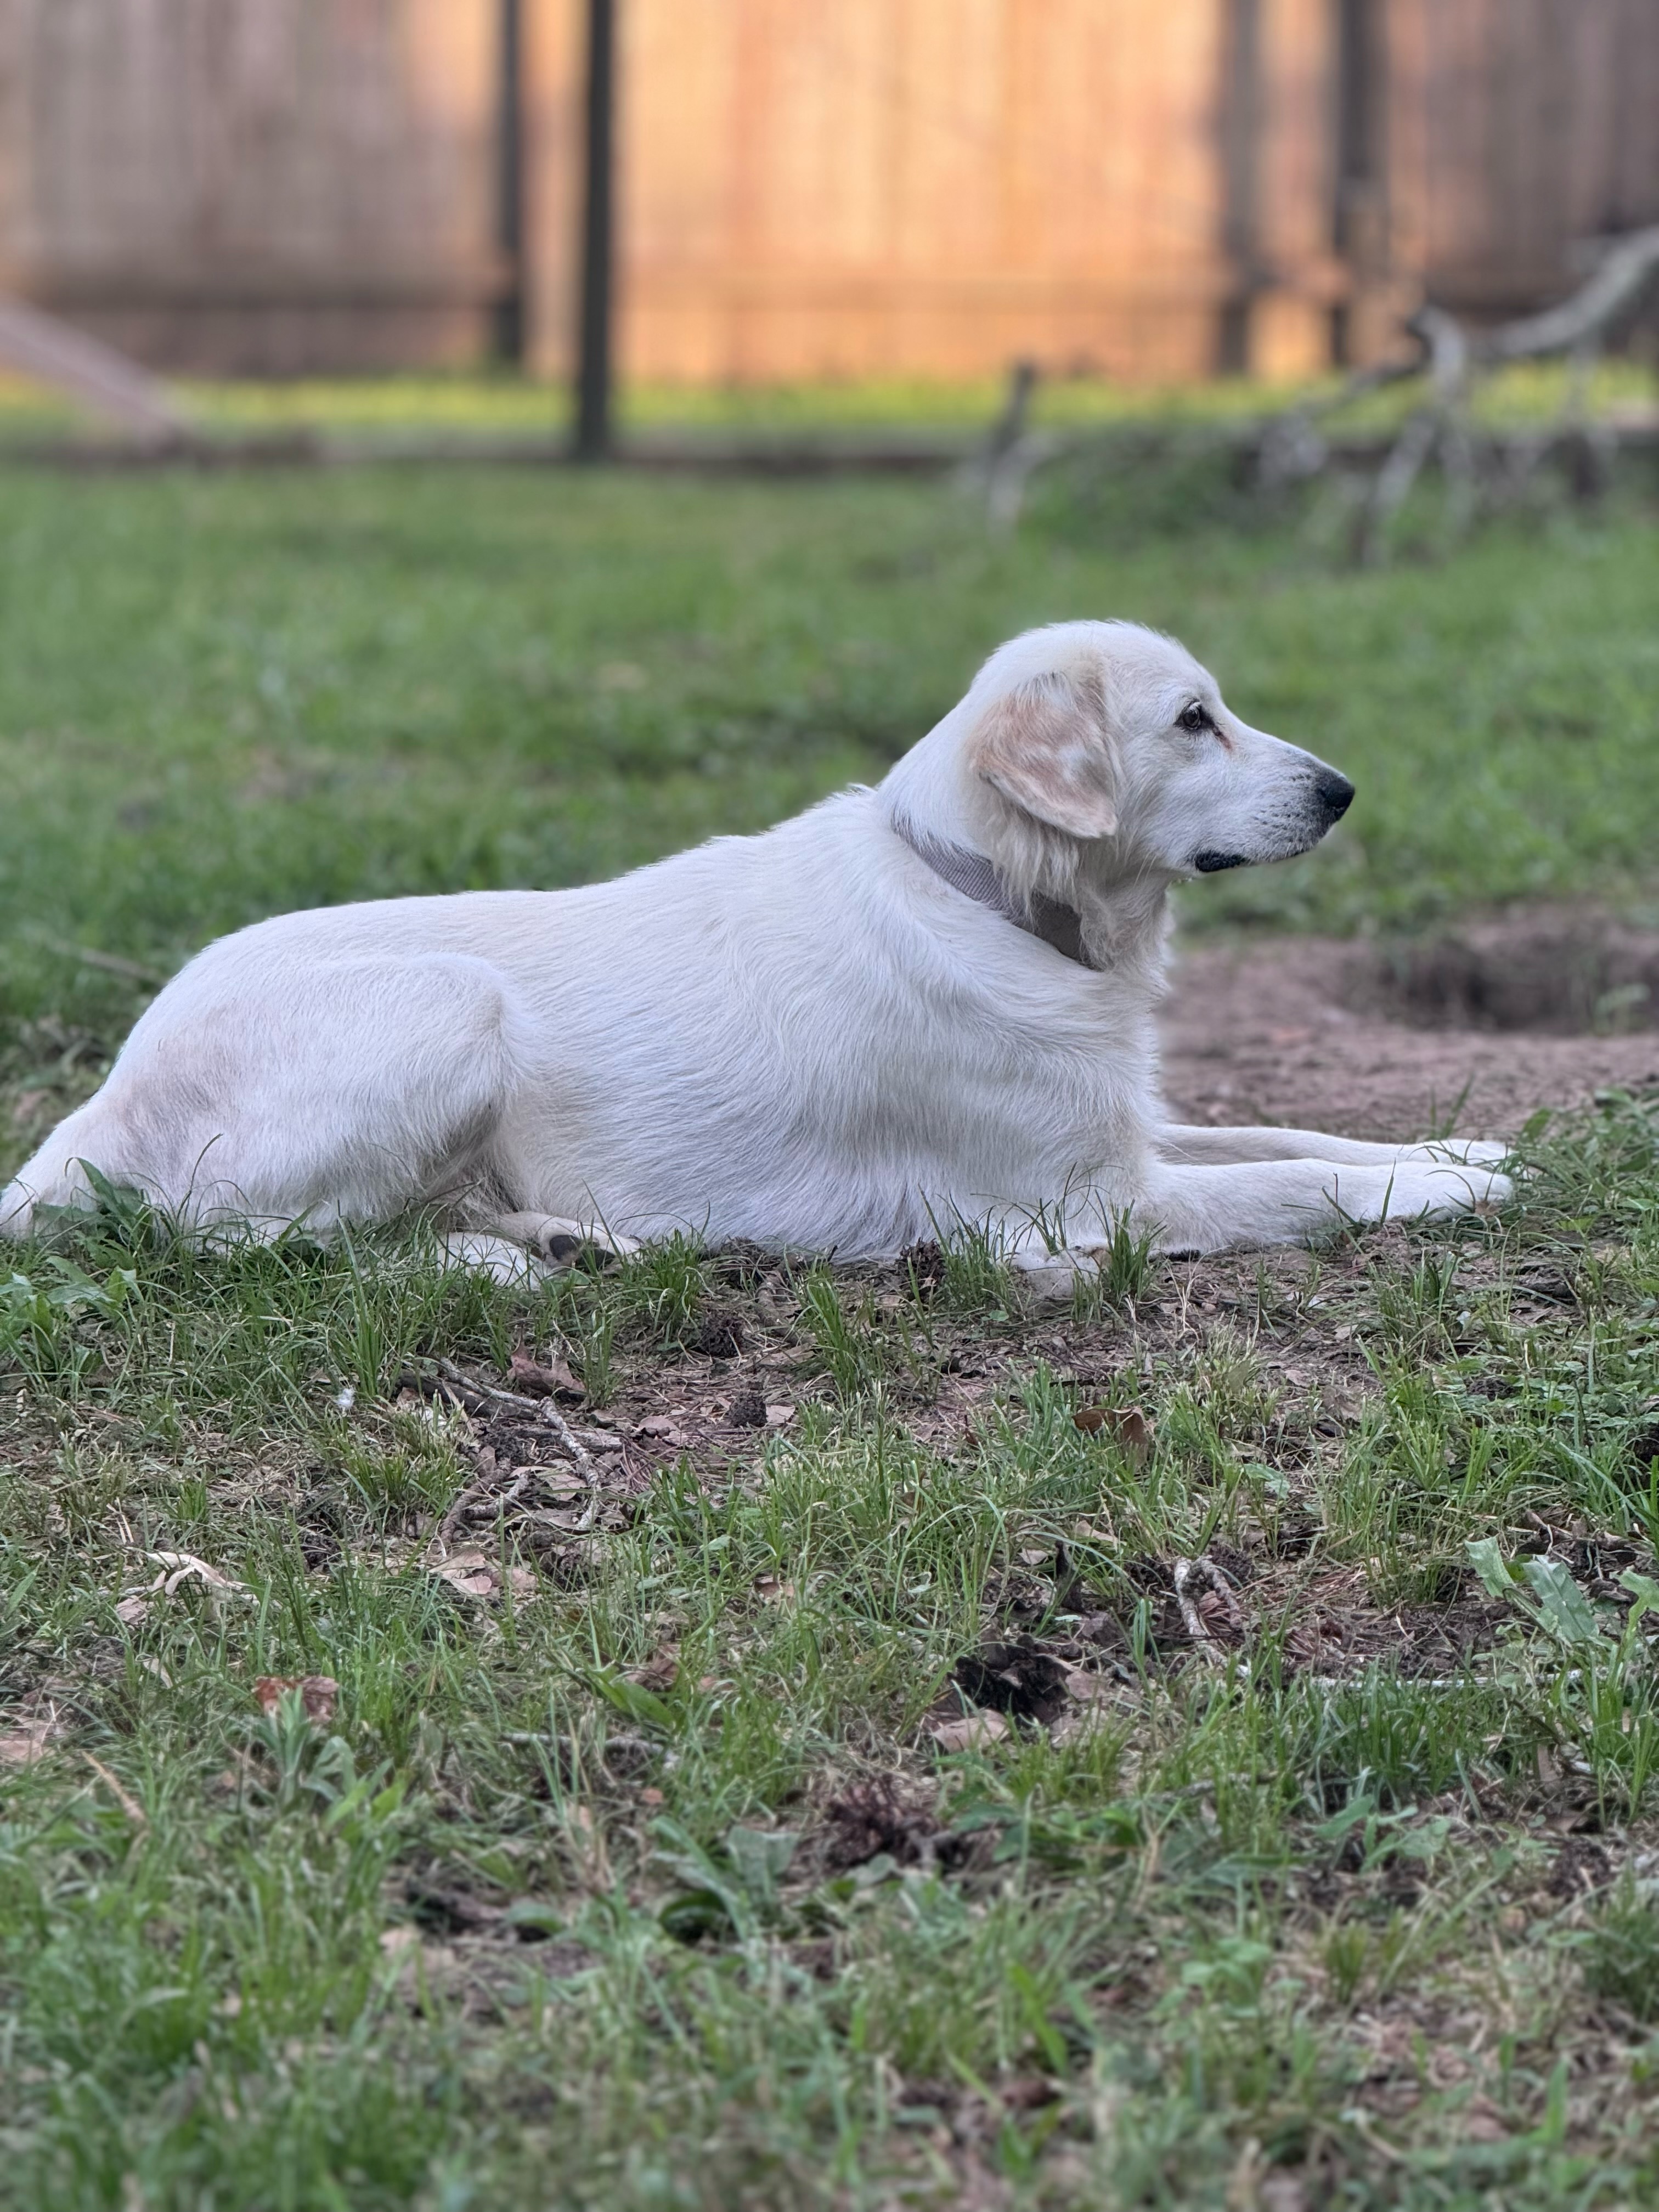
point(466, 402)
point(812, 1793)
point(556, 1904)
point(509, 404)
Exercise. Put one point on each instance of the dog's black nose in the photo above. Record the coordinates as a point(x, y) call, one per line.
point(1334, 794)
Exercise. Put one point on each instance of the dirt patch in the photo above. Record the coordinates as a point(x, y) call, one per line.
point(1560, 973)
point(1582, 1866)
point(870, 1817)
point(1021, 1680)
point(1474, 1030)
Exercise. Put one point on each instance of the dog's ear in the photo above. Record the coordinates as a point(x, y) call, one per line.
point(1046, 747)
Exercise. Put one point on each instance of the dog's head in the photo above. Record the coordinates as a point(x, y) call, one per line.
point(1112, 741)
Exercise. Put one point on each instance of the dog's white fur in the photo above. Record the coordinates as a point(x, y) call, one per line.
point(805, 1038)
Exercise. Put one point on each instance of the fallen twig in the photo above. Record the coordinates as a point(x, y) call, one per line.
point(547, 1414)
point(452, 1373)
point(1204, 1569)
point(554, 1419)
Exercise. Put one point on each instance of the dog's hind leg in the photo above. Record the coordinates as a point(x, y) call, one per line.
point(1190, 1210)
point(517, 1248)
point(559, 1239)
point(323, 1092)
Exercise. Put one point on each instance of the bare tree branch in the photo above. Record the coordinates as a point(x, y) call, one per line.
point(85, 369)
point(1625, 272)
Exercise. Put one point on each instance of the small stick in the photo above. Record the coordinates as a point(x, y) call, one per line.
point(566, 1435)
point(474, 1494)
point(1186, 1573)
point(549, 1414)
point(452, 1373)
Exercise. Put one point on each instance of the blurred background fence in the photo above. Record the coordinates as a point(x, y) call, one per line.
point(1153, 190)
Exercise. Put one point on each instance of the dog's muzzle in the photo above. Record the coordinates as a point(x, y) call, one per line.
point(1329, 801)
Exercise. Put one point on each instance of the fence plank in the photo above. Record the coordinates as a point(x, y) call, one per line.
point(812, 187)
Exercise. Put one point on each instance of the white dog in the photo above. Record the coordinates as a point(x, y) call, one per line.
point(925, 1003)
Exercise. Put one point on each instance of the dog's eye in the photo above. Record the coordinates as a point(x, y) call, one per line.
point(1195, 719)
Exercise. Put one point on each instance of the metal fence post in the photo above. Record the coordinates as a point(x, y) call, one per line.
point(594, 365)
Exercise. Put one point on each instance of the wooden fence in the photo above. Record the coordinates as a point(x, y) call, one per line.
point(1156, 189)
point(260, 185)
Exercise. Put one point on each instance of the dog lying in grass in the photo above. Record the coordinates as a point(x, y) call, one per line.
point(910, 1008)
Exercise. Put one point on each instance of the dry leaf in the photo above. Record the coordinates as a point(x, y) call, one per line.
point(22, 1743)
point(1028, 2092)
point(773, 1589)
point(1086, 1687)
point(660, 1671)
point(479, 1582)
point(969, 1732)
point(472, 1574)
point(180, 1567)
point(394, 1942)
point(549, 1378)
point(1126, 1426)
point(133, 1609)
point(559, 1483)
point(317, 1693)
point(664, 1430)
point(778, 1416)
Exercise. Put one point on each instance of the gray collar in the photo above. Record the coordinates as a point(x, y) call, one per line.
point(977, 878)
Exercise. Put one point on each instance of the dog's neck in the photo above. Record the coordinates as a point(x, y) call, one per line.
point(1077, 898)
point(1126, 923)
point(977, 878)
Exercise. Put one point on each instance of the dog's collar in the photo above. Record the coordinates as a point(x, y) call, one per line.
point(977, 878)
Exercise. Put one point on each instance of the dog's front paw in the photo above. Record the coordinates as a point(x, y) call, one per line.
point(1462, 1151)
point(1446, 1189)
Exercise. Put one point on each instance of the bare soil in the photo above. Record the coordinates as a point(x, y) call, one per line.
point(1473, 1031)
